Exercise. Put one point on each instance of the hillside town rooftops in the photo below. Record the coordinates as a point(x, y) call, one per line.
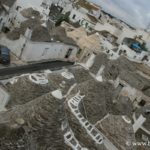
point(136, 81)
point(30, 119)
point(62, 36)
point(118, 130)
point(98, 101)
point(124, 69)
point(31, 89)
point(96, 97)
point(40, 34)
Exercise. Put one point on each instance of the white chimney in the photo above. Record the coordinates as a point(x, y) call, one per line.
point(28, 33)
point(90, 61)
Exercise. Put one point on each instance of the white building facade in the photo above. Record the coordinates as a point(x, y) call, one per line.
point(37, 51)
point(30, 51)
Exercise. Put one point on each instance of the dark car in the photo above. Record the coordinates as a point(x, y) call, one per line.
point(5, 56)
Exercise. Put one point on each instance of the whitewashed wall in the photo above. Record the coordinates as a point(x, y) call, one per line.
point(127, 33)
point(121, 34)
point(82, 19)
point(36, 51)
point(131, 54)
point(79, 15)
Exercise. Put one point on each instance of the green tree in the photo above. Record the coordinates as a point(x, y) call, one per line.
point(61, 19)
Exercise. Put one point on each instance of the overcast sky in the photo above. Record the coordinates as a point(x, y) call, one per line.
point(134, 12)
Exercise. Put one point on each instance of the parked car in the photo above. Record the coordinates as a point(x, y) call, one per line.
point(5, 55)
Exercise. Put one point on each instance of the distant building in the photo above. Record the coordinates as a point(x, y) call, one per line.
point(86, 14)
point(53, 46)
point(38, 43)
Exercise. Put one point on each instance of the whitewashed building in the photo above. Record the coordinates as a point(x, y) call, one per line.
point(86, 14)
point(39, 45)
point(85, 20)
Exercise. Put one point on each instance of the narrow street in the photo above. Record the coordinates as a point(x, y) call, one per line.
point(54, 65)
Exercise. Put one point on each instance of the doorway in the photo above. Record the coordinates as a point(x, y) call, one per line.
point(68, 53)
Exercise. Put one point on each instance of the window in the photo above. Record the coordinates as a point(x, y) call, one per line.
point(147, 112)
point(18, 7)
point(68, 53)
point(1, 20)
point(86, 24)
point(74, 16)
point(79, 51)
point(142, 103)
point(120, 52)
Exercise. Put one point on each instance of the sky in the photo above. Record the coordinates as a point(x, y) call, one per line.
point(134, 12)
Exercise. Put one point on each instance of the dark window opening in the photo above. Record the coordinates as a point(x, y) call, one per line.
point(5, 29)
point(108, 51)
point(88, 54)
point(79, 51)
point(120, 52)
point(68, 136)
point(121, 85)
point(74, 16)
point(1, 20)
point(142, 103)
point(100, 17)
point(86, 24)
point(147, 112)
point(18, 7)
point(124, 51)
point(68, 53)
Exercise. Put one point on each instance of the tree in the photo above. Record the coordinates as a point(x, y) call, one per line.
point(62, 18)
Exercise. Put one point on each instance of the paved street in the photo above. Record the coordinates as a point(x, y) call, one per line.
point(55, 65)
